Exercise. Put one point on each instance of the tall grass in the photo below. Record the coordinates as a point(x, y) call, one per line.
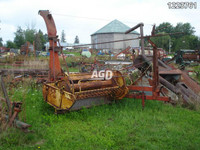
point(121, 125)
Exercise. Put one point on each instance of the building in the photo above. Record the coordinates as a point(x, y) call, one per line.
point(113, 31)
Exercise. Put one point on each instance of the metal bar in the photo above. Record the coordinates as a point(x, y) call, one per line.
point(148, 97)
point(54, 63)
point(127, 49)
point(12, 118)
point(142, 38)
point(155, 68)
point(135, 27)
point(149, 36)
point(168, 85)
point(141, 34)
point(140, 88)
point(5, 94)
point(92, 85)
point(159, 98)
point(19, 124)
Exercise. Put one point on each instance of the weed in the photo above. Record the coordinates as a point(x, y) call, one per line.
point(120, 125)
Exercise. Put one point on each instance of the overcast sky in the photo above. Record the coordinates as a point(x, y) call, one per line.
point(84, 17)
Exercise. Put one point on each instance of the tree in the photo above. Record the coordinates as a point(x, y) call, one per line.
point(63, 36)
point(1, 41)
point(10, 44)
point(186, 28)
point(162, 42)
point(19, 37)
point(165, 27)
point(46, 38)
point(29, 35)
point(186, 40)
point(76, 41)
point(39, 40)
point(198, 45)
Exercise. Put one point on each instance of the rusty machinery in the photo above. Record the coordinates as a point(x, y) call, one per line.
point(66, 91)
point(27, 49)
point(174, 80)
point(13, 109)
point(154, 87)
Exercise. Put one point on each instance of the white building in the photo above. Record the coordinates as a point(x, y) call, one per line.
point(113, 31)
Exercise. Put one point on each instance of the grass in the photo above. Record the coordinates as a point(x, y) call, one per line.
point(121, 125)
point(73, 69)
point(75, 53)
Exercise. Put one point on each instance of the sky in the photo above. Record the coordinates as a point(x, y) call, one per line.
point(84, 17)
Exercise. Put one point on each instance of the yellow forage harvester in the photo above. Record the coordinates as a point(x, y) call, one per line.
point(72, 91)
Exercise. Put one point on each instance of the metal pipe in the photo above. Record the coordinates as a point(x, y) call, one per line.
point(141, 34)
point(142, 38)
point(170, 86)
point(92, 85)
point(5, 94)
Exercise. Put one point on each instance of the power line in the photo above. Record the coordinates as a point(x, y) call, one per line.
point(64, 15)
point(90, 18)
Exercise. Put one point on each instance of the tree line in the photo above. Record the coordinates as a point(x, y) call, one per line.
point(30, 35)
point(185, 40)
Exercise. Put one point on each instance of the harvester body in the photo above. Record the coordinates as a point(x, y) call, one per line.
point(72, 91)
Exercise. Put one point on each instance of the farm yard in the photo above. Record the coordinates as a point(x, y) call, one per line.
point(128, 86)
point(121, 125)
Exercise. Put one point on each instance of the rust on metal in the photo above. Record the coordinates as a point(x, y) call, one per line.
point(13, 108)
point(54, 63)
point(62, 95)
point(140, 25)
point(73, 91)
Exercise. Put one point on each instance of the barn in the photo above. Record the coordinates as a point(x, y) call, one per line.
point(115, 30)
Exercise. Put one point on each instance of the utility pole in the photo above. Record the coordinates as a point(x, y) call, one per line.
point(169, 45)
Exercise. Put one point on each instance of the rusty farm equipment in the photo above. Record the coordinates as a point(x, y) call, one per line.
point(171, 79)
point(72, 91)
point(13, 109)
point(65, 91)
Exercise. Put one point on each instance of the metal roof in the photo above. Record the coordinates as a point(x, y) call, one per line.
point(114, 26)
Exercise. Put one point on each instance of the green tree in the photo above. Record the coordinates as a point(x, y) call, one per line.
point(1, 41)
point(46, 38)
point(39, 40)
point(162, 42)
point(187, 42)
point(165, 27)
point(186, 28)
point(198, 45)
point(63, 36)
point(19, 37)
point(29, 35)
point(76, 41)
point(10, 44)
